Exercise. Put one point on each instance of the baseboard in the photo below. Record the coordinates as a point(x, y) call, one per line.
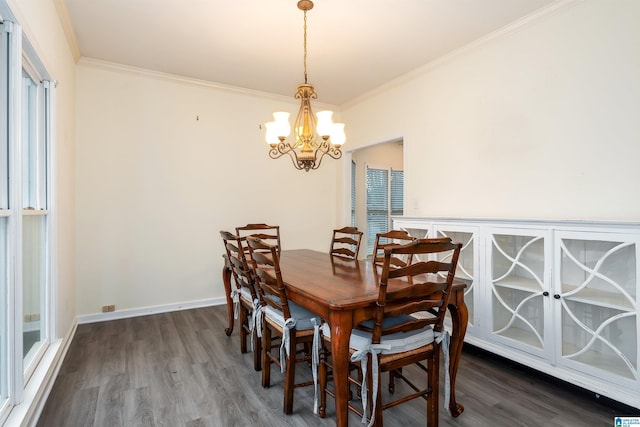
point(144, 311)
point(39, 386)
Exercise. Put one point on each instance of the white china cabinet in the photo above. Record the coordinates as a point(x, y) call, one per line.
point(557, 296)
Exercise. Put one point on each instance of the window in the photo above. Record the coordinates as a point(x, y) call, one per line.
point(34, 216)
point(25, 215)
point(385, 197)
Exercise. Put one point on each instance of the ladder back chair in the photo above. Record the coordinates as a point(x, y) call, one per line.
point(393, 237)
point(267, 233)
point(285, 320)
point(245, 295)
point(345, 242)
point(400, 334)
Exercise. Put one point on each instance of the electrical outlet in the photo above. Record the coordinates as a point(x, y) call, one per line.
point(112, 307)
point(105, 308)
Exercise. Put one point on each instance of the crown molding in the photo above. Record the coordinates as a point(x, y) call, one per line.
point(121, 68)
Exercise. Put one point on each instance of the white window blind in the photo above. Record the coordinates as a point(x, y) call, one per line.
point(385, 197)
point(377, 205)
point(397, 192)
point(353, 193)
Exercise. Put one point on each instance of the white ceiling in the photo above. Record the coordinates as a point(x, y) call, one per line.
point(353, 45)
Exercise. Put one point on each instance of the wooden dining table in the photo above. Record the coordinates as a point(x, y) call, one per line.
point(344, 293)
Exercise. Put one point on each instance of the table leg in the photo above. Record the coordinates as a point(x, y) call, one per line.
point(341, 325)
point(459, 319)
point(226, 281)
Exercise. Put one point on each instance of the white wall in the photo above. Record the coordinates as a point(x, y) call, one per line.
point(43, 30)
point(542, 122)
point(163, 165)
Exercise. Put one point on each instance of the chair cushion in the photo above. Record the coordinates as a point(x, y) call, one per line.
point(301, 315)
point(245, 293)
point(398, 342)
point(388, 322)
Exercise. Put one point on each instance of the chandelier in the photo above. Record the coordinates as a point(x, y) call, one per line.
point(313, 138)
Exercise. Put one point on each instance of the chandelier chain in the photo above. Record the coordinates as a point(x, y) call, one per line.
point(305, 47)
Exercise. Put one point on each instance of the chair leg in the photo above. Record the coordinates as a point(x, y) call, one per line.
point(392, 379)
point(244, 323)
point(322, 382)
point(226, 280)
point(290, 373)
point(257, 351)
point(266, 361)
point(433, 368)
point(378, 397)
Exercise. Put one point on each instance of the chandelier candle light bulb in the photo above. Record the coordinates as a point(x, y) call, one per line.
point(313, 137)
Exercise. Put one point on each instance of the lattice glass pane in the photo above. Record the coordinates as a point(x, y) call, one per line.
point(465, 269)
point(599, 271)
point(518, 260)
point(601, 337)
point(466, 259)
point(518, 315)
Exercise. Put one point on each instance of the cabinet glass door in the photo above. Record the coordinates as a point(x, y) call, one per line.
point(519, 290)
point(467, 262)
point(598, 286)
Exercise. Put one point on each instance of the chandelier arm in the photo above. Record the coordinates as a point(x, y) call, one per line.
point(280, 149)
point(325, 148)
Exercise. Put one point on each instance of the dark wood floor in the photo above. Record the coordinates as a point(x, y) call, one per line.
point(180, 369)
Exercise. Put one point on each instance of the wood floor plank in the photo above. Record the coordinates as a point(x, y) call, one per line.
point(180, 369)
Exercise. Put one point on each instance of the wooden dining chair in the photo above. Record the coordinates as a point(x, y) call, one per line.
point(396, 337)
point(244, 296)
point(283, 320)
point(393, 237)
point(345, 242)
point(267, 233)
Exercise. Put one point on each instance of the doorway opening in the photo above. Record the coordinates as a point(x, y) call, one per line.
point(377, 186)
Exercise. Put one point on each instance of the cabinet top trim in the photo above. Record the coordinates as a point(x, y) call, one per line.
point(616, 225)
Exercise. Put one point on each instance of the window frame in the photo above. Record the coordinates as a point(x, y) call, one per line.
point(20, 57)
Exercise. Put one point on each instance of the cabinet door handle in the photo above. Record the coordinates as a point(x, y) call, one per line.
point(545, 293)
point(556, 296)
